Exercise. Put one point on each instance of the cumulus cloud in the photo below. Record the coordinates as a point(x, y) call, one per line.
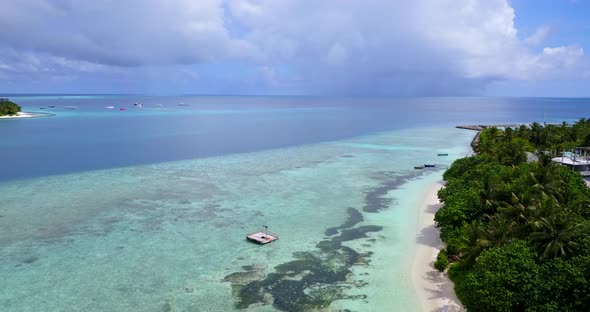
point(123, 33)
point(37, 66)
point(538, 36)
point(333, 46)
point(403, 47)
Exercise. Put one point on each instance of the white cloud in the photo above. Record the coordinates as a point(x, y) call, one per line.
point(396, 46)
point(538, 36)
point(128, 33)
point(561, 61)
point(439, 40)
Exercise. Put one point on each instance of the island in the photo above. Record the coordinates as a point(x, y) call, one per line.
point(515, 218)
point(8, 108)
point(11, 110)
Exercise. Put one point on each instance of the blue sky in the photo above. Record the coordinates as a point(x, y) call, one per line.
point(297, 47)
point(568, 19)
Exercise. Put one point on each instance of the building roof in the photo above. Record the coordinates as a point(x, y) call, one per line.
point(571, 162)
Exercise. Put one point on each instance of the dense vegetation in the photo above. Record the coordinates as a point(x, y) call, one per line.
point(518, 231)
point(8, 108)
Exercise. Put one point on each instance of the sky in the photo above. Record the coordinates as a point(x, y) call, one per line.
point(297, 47)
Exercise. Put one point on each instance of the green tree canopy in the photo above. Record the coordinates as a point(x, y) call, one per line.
point(8, 108)
point(518, 230)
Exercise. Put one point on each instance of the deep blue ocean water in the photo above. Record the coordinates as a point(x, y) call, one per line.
point(94, 137)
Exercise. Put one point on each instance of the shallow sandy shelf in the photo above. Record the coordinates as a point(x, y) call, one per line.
point(26, 115)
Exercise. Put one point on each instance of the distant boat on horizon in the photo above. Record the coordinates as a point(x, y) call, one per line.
point(110, 107)
point(182, 104)
point(137, 105)
point(121, 109)
point(70, 107)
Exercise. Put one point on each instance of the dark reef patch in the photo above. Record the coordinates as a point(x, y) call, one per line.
point(347, 235)
point(316, 278)
point(375, 200)
point(354, 217)
point(30, 259)
point(310, 282)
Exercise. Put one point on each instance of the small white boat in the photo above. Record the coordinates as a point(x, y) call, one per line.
point(137, 105)
point(110, 107)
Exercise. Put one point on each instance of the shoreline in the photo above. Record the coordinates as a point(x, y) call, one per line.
point(23, 115)
point(434, 289)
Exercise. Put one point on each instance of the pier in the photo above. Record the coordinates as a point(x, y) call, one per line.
point(481, 127)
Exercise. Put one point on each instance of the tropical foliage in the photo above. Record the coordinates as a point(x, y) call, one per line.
point(8, 108)
point(518, 231)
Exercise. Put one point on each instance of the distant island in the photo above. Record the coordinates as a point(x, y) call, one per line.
point(8, 108)
point(516, 220)
point(11, 110)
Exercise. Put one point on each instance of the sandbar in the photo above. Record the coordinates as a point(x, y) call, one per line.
point(26, 115)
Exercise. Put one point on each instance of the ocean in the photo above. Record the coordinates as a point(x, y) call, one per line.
point(146, 209)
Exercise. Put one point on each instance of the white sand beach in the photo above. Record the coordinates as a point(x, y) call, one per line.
point(434, 288)
point(24, 115)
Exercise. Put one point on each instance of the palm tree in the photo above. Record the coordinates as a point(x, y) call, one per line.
point(523, 132)
point(489, 193)
point(494, 134)
point(483, 236)
point(538, 136)
point(488, 140)
point(517, 215)
point(508, 134)
point(546, 182)
point(556, 236)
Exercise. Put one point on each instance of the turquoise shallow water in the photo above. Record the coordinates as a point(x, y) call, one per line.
point(170, 236)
